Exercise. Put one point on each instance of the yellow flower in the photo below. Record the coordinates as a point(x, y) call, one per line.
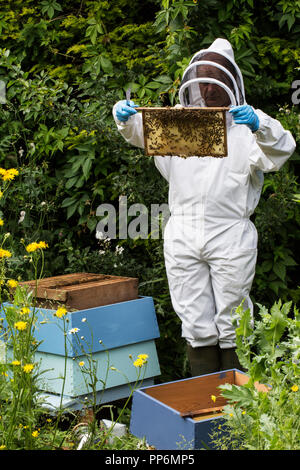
point(21, 325)
point(12, 283)
point(35, 434)
point(43, 245)
point(5, 253)
point(144, 357)
point(81, 363)
point(13, 172)
point(60, 312)
point(36, 246)
point(295, 388)
point(8, 174)
point(213, 397)
point(138, 363)
point(1, 222)
point(16, 363)
point(24, 311)
point(141, 360)
point(28, 368)
point(31, 247)
point(2, 447)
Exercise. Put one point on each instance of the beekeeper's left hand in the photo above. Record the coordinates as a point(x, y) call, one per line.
point(245, 114)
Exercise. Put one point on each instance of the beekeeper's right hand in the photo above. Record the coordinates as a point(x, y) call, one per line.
point(123, 111)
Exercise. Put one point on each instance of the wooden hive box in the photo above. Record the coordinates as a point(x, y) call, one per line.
point(185, 132)
point(180, 415)
point(83, 290)
point(110, 333)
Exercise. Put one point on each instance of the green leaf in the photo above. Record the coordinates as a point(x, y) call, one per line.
point(290, 21)
point(278, 323)
point(244, 329)
point(164, 79)
point(266, 266)
point(80, 182)
point(280, 269)
point(71, 182)
point(106, 64)
point(91, 32)
point(71, 210)
point(286, 308)
point(267, 424)
point(289, 261)
point(92, 223)
point(68, 201)
point(49, 7)
point(86, 167)
point(222, 15)
point(153, 85)
point(83, 148)
point(240, 395)
point(50, 11)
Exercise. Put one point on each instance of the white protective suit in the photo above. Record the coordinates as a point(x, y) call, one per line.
point(210, 245)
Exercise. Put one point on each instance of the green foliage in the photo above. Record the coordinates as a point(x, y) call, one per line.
point(50, 7)
point(265, 419)
point(24, 414)
point(275, 219)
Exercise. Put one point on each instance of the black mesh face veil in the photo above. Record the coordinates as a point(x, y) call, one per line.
point(211, 80)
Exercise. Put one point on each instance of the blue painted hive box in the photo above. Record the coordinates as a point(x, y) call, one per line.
point(181, 415)
point(112, 335)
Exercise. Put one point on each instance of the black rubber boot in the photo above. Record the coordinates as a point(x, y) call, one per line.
point(229, 359)
point(203, 360)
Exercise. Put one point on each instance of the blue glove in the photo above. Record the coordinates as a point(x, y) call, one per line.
point(245, 115)
point(123, 111)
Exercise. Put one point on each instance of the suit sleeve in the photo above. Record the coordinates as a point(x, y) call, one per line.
point(133, 132)
point(276, 144)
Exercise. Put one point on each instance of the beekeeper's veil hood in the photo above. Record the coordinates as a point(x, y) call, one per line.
point(213, 65)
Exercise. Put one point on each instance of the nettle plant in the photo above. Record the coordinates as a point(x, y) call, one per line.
point(269, 350)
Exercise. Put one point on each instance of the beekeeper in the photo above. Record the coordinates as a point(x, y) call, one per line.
point(210, 244)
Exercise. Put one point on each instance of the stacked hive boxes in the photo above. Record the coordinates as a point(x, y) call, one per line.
point(113, 335)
